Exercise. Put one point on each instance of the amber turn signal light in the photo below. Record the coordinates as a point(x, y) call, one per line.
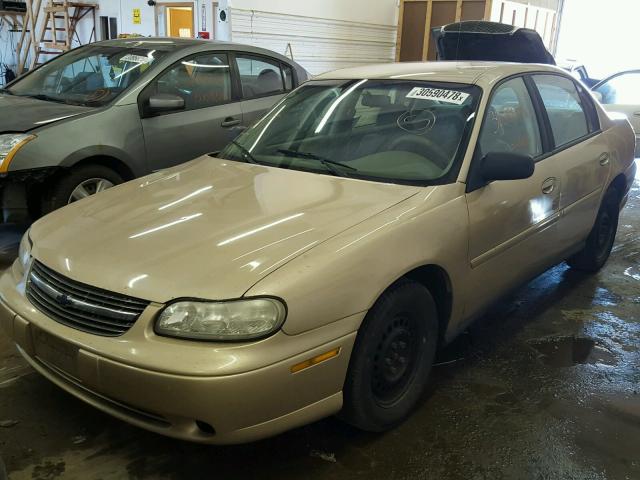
point(315, 360)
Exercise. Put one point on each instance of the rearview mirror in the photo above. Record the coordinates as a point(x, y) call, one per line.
point(165, 102)
point(506, 166)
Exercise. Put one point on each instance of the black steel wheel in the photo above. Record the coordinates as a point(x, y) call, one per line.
point(603, 234)
point(392, 358)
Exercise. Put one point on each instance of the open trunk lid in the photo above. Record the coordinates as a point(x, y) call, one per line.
point(490, 41)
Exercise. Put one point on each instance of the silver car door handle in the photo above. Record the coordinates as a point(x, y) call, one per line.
point(604, 159)
point(230, 122)
point(548, 186)
point(637, 114)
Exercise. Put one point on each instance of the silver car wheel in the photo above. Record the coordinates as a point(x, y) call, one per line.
point(89, 187)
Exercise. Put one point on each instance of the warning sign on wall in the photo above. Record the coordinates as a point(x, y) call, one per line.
point(137, 19)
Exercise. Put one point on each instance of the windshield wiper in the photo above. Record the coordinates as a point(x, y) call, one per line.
point(328, 163)
point(248, 156)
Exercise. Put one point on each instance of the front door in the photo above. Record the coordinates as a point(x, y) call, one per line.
point(204, 82)
point(512, 224)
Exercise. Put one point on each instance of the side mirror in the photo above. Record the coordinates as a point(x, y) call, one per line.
point(598, 96)
point(165, 102)
point(506, 166)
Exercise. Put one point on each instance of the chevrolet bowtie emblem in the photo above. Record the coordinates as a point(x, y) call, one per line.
point(63, 300)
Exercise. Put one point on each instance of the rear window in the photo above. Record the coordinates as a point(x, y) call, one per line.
point(259, 76)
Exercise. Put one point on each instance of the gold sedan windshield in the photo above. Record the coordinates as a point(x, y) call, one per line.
point(385, 130)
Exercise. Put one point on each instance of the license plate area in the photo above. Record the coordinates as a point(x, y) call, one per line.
point(54, 351)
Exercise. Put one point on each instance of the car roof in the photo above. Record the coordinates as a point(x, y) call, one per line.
point(172, 44)
point(480, 73)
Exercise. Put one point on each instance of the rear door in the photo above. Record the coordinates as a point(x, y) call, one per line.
point(212, 106)
point(512, 224)
point(578, 149)
point(263, 82)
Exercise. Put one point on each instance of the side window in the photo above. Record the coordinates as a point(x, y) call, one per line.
point(564, 107)
point(621, 89)
point(510, 123)
point(589, 108)
point(259, 76)
point(203, 81)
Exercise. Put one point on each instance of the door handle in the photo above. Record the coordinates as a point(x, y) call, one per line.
point(549, 185)
point(230, 122)
point(604, 159)
point(637, 114)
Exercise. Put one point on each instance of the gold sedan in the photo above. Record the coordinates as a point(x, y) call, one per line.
point(318, 262)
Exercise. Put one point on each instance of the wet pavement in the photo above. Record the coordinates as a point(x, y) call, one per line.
point(545, 386)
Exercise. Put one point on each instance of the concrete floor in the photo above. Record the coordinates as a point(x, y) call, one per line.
point(545, 386)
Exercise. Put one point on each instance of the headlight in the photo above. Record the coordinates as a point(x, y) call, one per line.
point(9, 146)
point(24, 253)
point(233, 320)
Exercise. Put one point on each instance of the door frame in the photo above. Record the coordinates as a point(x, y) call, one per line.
point(215, 4)
point(191, 4)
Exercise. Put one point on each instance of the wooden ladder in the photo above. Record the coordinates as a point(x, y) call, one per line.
point(15, 20)
point(57, 28)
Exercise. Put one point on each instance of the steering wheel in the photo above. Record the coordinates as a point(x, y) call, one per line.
point(418, 144)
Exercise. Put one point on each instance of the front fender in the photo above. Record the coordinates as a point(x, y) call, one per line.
point(114, 132)
point(346, 274)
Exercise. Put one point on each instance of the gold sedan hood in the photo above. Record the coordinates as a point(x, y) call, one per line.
point(208, 229)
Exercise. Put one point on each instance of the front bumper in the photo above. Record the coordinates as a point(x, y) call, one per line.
point(230, 406)
point(20, 193)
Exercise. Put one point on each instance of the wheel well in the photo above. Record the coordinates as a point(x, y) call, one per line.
point(40, 189)
point(437, 281)
point(620, 183)
point(110, 162)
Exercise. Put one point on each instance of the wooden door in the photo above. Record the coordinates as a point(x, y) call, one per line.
point(418, 17)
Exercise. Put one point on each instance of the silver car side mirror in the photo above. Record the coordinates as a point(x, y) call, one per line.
point(165, 102)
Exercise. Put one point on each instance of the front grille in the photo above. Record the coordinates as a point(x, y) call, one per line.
point(81, 306)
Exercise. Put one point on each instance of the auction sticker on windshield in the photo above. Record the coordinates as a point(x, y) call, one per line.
point(439, 94)
point(135, 58)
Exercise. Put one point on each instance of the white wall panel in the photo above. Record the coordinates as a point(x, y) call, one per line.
point(318, 44)
point(380, 12)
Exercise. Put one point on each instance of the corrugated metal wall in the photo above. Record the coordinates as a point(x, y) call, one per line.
point(317, 44)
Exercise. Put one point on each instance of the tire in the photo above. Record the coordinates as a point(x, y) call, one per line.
point(600, 241)
point(381, 389)
point(59, 193)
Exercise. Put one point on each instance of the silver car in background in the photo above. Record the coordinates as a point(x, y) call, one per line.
point(112, 111)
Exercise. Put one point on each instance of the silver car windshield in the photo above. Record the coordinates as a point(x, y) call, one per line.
point(383, 130)
point(93, 75)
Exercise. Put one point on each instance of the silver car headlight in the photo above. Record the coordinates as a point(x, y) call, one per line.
point(24, 252)
point(222, 321)
point(9, 146)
